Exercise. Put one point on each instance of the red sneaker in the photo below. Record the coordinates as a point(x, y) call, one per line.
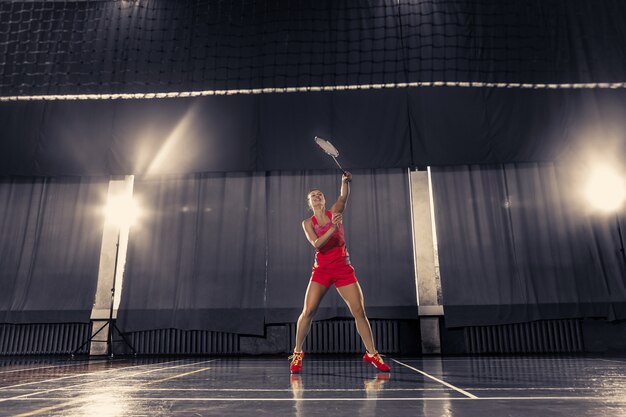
point(377, 361)
point(296, 362)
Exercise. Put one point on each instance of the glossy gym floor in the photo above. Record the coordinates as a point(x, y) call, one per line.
point(328, 386)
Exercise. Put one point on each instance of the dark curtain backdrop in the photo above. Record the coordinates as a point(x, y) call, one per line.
point(519, 243)
point(50, 237)
point(395, 128)
point(227, 252)
point(196, 259)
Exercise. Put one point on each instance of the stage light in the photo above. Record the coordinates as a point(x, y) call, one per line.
point(122, 211)
point(605, 189)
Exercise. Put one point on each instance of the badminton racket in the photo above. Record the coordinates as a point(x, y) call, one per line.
point(330, 150)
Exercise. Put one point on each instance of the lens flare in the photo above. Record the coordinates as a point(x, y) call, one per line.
point(605, 189)
point(122, 211)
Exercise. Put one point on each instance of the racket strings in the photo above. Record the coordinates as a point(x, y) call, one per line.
point(327, 147)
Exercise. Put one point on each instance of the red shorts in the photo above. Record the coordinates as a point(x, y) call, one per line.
point(339, 272)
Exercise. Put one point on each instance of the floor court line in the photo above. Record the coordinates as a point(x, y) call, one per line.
point(9, 387)
point(177, 376)
point(49, 408)
point(78, 401)
point(50, 367)
point(512, 356)
point(532, 389)
point(565, 389)
point(472, 396)
point(291, 390)
point(617, 398)
point(96, 382)
point(266, 389)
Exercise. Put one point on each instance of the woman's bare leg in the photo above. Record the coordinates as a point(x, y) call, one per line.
point(314, 294)
point(353, 296)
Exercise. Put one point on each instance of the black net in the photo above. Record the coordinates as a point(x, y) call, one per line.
point(250, 46)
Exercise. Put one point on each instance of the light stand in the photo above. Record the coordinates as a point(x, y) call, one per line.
point(110, 323)
point(621, 240)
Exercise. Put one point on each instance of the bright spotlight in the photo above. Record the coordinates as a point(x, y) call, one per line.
point(122, 211)
point(605, 189)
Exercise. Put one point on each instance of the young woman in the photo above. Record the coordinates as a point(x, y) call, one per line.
point(324, 230)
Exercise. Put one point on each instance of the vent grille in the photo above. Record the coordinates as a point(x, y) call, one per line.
point(550, 336)
point(329, 336)
point(340, 336)
point(190, 342)
point(43, 339)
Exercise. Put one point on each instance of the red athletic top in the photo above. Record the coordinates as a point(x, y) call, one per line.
point(335, 246)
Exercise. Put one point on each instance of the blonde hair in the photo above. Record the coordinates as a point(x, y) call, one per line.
point(308, 201)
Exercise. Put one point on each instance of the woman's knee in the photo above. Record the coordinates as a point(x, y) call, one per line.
point(308, 312)
point(358, 312)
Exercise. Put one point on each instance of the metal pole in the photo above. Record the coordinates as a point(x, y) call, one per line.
point(621, 240)
point(110, 330)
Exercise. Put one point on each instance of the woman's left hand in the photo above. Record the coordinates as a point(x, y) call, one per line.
point(346, 177)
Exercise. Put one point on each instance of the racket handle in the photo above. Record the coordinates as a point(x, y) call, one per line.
point(340, 167)
point(337, 162)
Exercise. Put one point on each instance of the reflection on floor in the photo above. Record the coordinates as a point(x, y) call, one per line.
point(328, 386)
